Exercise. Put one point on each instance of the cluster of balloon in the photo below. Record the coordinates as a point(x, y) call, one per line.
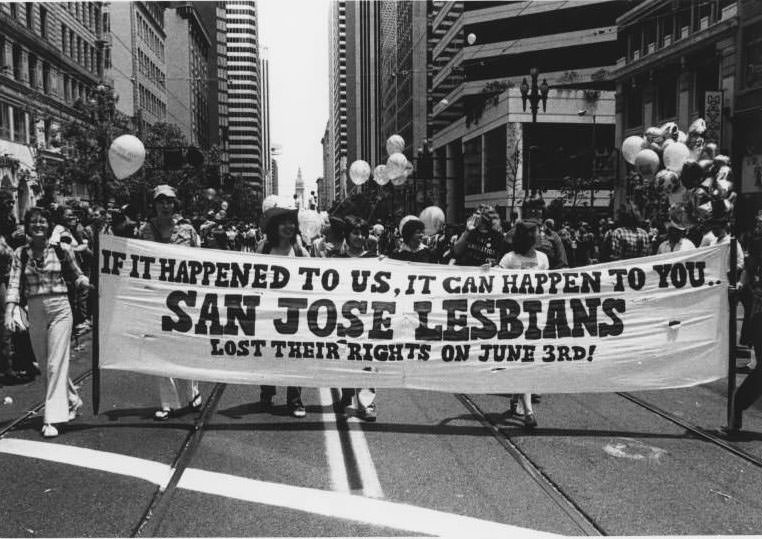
point(126, 155)
point(310, 224)
point(433, 219)
point(359, 172)
point(379, 174)
point(696, 179)
point(397, 167)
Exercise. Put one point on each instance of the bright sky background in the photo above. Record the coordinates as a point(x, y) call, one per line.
point(295, 33)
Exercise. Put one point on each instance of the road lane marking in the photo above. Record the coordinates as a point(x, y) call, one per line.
point(330, 504)
point(339, 480)
point(148, 470)
point(371, 486)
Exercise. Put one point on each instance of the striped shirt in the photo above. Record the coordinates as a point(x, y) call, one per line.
point(40, 277)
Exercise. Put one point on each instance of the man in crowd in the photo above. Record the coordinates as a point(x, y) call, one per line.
point(482, 242)
point(629, 240)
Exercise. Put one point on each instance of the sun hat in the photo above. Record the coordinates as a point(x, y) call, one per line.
point(165, 191)
point(275, 206)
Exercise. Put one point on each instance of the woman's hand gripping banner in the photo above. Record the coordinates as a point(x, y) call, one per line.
point(651, 323)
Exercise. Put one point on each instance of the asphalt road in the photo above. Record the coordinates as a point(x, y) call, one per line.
point(433, 464)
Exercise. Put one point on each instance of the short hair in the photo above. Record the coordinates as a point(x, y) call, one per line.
point(33, 212)
point(410, 228)
point(271, 232)
point(352, 223)
point(523, 238)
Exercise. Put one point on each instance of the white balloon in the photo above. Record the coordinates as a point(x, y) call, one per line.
point(630, 148)
point(359, 172)
point(433, 219)
point(395, 144)
point(126, 156)
point(380, 176)
point(399, 180)
point(310, 223)
point(396, 166)
point(471, 38)
point(675, 156)
point(647, 162)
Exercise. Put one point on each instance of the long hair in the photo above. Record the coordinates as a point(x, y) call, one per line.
point(524, 238)
point(352, 223)
point(271, 232)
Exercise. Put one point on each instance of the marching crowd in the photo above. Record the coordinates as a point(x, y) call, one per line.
point(45, 263)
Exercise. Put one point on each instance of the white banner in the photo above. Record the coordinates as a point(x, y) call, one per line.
point(651, 323)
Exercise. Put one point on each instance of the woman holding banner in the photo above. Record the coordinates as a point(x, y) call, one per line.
point(525, 256)
point(281, 227)
point(412, 248)
point(39, 275)
point(175, 394)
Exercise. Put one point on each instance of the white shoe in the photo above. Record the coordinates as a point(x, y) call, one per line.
point(74, 408)
point(49, 431)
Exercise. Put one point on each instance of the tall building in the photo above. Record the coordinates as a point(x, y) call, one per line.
point(337, 95)
point(405, 81)
point(244, 93)
point(299, 190)
point(51, 56)
point(274, 174)
point(266, 142)
point(327, 188)
point(487, 146)
point(363, 61)
point(213, 16)
point(190, 48)
point(136, 59)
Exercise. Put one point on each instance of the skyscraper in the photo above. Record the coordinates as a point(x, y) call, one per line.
point(337, 94)
point(244, 93)
point(266, 142)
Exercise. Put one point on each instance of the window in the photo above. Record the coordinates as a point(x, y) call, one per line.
point(43, 22)
point(107, 58)
point(667, 97)
point(33, 71)
point(19, 126)
point(46, 78)
point(64, 41)
point(5, 121)
point(752, 56)
point(16, 62)
point(72, 52)
point(14, 10)
point(707, 79)
point(30, 15)
point(472, 165)
point(66, 90)
point(79, 50)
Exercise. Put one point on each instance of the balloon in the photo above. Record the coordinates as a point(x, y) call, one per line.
point(224, 205)
point(471, 38)
point(399, 180)
point(359, 172)
point(433, 219)
point(310, 224)
point(396, 165)
point(667, 180)
point(698, 127)
point(630, 148)
point(669, 131)
point(679, 214)
point(682, 137)
point(691, 174)
point(395, 144)
point(379, 175)
point(647, 162)
point(126, 156)
point(679, 195)
point(654, 135)
point(675, 156)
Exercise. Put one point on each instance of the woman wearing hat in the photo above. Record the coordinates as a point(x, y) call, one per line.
point(281, 228)
point(174, 393)
point(676, 240)
point(524, 256)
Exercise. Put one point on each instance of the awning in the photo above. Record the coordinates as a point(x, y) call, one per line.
point(20, 152)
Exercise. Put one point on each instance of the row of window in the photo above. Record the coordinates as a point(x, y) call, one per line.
point(73, 89)
point(152, 39)
point(150, 70)
point(150, 102)
point(88, 13)
point(79, 50)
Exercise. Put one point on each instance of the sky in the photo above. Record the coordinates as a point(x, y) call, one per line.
point(295, 32)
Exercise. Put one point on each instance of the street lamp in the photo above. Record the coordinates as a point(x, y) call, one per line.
point(534, 94)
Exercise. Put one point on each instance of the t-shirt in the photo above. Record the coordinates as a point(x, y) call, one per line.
point(482, 248)
point(683, 245)
point(535, 260)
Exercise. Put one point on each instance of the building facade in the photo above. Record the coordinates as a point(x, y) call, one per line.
point(52, 55)
point(244, 94)
point(213, 16)
point(487, 147)
point(274, 174)
point(677, 63)
point(327, 188)
point(266, 141)
point(136, 60)
point(189, 47)
point(337, 95)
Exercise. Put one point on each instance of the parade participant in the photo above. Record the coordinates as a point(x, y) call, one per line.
point(175, 394)
point(68, 231)
point(676, 240)
point(330, 244)
point(281, 228)
point(525, 256)
point(39, 273)
point(480, 243)
point(550, 243)
point(354, 246)
point(412, 248)
point(629, 240)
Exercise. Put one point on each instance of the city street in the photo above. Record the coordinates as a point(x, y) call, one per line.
point(432, 464)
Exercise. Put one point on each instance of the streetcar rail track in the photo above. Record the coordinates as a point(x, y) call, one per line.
point(160, 501)
point(581, 519)
point(695, 429)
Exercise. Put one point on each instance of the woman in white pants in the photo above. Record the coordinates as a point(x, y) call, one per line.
point(39, 272)
point(174, 393)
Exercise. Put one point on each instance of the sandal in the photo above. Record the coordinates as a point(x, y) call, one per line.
point(162, 415)
point(196, 402)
